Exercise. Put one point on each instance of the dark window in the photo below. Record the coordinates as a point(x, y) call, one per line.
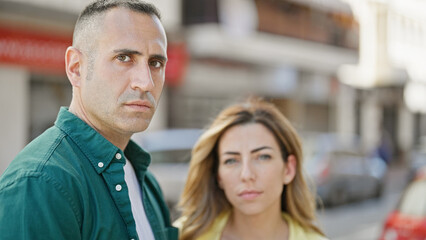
point(199, 11)
point(305, 22)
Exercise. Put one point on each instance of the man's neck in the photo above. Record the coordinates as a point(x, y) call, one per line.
point(118, 140)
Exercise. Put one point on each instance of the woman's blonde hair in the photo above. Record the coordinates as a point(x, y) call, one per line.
point(202, 200)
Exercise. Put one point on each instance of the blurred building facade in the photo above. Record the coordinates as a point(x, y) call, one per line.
point(387, 86)
point(288, 51)
point(304, 55)
point(34, 35)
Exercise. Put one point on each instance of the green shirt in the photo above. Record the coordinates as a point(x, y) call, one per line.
point(69, 184)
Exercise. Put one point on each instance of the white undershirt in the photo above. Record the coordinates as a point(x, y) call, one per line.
point(143, 228)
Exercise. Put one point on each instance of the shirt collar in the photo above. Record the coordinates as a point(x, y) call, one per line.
point(97, 149)
point(137, 156)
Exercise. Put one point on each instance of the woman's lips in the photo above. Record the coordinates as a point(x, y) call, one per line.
point(249, 194)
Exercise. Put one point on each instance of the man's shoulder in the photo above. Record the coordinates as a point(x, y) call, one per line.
point(46, 148)
point(49, 155)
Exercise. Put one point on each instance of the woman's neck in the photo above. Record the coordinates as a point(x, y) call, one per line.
point(261, 226)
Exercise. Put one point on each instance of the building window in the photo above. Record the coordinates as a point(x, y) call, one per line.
point(305, 22)
point(199, 11)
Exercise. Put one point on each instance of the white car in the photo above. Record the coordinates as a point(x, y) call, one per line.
point(170, 151)
point(342, 172)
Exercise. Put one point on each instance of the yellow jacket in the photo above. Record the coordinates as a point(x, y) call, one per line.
point(215, 231)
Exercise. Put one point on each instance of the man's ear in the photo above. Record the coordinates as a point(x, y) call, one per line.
point(289, 169)
point(73, 60)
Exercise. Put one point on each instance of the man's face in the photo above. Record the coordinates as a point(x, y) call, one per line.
point(122, 79)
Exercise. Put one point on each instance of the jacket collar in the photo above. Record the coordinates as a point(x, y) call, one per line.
point(97, 148)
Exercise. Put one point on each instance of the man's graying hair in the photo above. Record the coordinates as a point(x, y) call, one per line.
point(87, 21)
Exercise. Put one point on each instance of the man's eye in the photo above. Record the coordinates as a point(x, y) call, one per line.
point(123, 58)
point(156, 64)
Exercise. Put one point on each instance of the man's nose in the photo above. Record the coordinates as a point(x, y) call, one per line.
point(142, 79)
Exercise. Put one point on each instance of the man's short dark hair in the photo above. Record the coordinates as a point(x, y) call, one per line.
point(86, 20)
point(104, 5)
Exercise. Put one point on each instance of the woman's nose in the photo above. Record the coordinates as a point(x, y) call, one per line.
point(247, 171)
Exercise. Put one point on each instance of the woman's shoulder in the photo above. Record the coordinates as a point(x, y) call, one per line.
point(297, 232)
point(215, 230)
point(179, 223)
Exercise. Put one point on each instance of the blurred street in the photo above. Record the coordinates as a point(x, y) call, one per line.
point(364, 220)
point(348, 74)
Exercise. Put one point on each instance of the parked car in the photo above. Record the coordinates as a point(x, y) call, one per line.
point(170, 152)
point(417, 161)
point(408, 220)
point(342, 172)
point(417, 164)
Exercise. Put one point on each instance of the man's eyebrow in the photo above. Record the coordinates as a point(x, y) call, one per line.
point(159, 57)
point(134, 52)
point(127, 51)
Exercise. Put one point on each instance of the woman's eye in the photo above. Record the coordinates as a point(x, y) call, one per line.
point(123, 58)
point(264, 157)
point(229, 161)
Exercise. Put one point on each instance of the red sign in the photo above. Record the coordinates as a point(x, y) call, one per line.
point(45, 52)
point(176, 65)
point(37, 51)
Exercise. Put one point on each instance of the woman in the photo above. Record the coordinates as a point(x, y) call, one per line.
point(245, 180)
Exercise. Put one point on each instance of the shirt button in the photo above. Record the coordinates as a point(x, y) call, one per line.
point(118, 187)
point(100, 164)
point(118, 156)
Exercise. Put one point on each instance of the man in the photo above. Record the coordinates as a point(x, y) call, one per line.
point(84, 178)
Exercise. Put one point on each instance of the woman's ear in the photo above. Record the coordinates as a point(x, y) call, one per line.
point(289, 169)
point(73, 60)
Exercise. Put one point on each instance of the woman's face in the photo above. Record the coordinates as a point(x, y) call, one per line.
point(251, 170)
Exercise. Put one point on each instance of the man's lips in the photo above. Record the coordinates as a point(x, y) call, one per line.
point(249, 194)
point(139, 105)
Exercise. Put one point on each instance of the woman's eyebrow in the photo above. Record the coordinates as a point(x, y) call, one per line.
point(260, 148)
point(231, 153)
point(252, 151)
